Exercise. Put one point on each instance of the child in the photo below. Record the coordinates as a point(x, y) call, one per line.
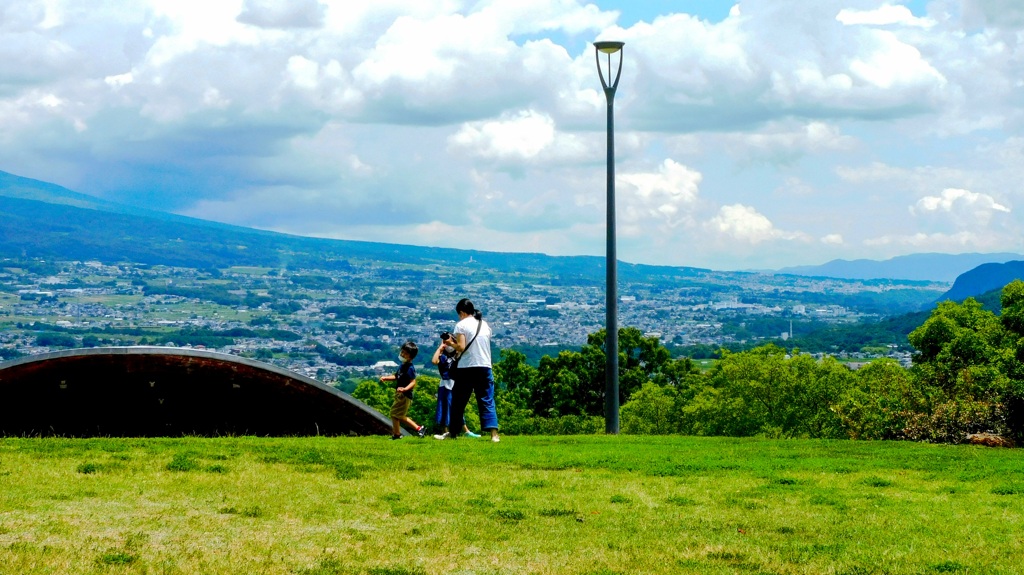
point(444, 357)
point(405, 382)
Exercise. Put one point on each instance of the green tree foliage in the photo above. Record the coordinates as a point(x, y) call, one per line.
point(968, 369)
point(650, 411)
point(881, 401)
point(55, 340)
point(765, 391)
point(573, 382)
point(375, 394)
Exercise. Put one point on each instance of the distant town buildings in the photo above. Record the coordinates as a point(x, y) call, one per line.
point(328, 324)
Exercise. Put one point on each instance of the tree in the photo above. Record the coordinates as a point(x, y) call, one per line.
point(764, 391)
point(569, 384)
point(966, 368)
point(1012, 318)
point(513, 374)
point(649, 411)
point(640, 358)
point(881, 402)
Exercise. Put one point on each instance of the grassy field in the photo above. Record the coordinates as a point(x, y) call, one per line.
point(578, 505)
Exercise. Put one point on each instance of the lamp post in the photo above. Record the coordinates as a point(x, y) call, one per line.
point(611, 342)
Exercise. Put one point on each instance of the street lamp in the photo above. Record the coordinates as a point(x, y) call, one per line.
point(611, 342)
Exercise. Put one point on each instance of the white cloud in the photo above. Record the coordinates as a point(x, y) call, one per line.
point(883, 15)
point(118, 80)
point(657, 199)
point(303, 72)
point(895, 64)
point(964, 204)
point(746, 224)
point(777, 60)
point(833, 239)
point(520, 136)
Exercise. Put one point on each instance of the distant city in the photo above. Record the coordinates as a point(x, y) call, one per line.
point(339, 325)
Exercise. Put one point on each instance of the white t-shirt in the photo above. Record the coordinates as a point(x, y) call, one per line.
point(478, 354)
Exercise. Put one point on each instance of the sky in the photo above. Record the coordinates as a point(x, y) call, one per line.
point(748, 135)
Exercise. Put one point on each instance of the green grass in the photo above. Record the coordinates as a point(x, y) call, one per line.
point(577, 505)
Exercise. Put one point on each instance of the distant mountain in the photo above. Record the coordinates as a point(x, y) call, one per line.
point(39, 219)
point(18, 187)
point(924, 267)
point(983, 279)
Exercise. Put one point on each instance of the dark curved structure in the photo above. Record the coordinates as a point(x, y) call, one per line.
point(160, 391)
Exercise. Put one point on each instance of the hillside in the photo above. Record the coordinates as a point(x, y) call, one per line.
point(929, 267)
point(38, 219)
point(984, 278)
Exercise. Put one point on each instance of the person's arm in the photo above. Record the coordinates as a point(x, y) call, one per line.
point(409, 387)
point(384, 378)
point(437, 354)
point(459, 342)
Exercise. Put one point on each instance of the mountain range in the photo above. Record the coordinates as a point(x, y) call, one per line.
point(925, 267)
point(41, 219)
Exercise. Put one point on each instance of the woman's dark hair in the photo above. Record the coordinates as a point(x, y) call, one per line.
point(465, 306)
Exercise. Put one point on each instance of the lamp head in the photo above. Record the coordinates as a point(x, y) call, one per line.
point(609, 47)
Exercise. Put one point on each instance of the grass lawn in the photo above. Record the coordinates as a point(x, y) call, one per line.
point(580, 505)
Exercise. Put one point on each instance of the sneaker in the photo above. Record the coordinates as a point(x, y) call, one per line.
point(421, 431)
point(471, 434)
point(495, 439)
point(396, 437)
point(442, 436)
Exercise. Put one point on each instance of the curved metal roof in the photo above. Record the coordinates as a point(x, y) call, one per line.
point(161, 391)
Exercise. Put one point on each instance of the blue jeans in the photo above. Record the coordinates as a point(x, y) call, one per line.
point(470, 380)
point(444, 406)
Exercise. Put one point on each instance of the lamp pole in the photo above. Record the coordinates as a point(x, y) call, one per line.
point(611, 342)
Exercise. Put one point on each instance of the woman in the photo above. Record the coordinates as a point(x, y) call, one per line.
point(472, 341)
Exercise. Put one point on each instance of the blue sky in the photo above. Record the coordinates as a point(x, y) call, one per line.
point(756, 134)
point(648, 10)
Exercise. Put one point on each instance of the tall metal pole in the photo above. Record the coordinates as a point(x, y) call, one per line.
point(611, 393)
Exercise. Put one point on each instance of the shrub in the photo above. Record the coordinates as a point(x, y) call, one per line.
point(951, 421)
